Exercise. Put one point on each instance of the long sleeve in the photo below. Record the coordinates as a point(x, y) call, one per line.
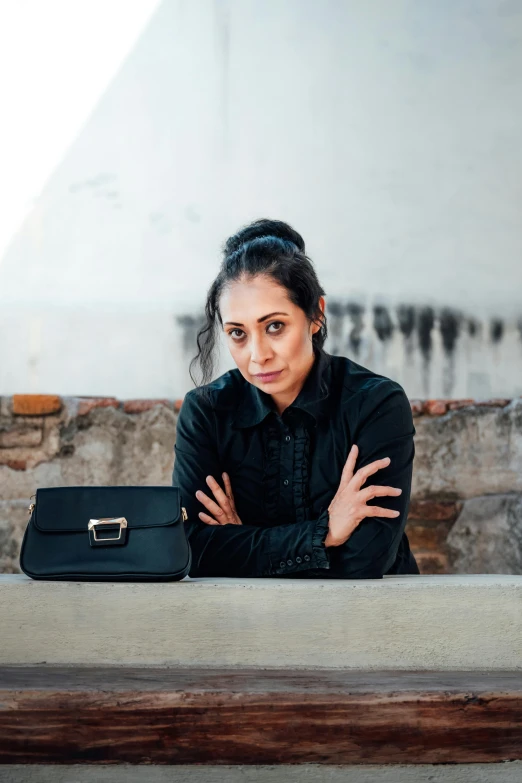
point(384, 429)
point(234, 550)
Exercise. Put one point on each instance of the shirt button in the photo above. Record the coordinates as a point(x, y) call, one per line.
point(286, 482)
point(289, 562)
point(307, 558)
point(288, 438)
point(282, 564)
point(299, 560)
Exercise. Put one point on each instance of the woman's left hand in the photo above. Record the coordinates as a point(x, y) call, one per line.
point(224, 511)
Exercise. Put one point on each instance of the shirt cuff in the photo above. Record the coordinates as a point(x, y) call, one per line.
point(320, 552)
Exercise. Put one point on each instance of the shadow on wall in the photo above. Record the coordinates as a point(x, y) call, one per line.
point(432, 352)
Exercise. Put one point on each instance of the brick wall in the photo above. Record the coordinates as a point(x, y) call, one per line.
point(466, 508)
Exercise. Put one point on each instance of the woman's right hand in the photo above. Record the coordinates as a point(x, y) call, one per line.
point(348, 507)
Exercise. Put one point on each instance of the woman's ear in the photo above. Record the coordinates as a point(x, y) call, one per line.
point(317, 326)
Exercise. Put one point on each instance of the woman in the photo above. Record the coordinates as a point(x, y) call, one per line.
point(294, 450)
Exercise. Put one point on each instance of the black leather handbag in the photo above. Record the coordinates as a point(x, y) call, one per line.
point(106, 534)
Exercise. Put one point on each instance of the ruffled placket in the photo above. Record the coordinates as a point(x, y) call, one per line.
point(272, 437)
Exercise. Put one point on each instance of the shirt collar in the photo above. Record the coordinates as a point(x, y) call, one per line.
point(256, 404)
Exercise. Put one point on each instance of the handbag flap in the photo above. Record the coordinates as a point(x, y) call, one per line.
point(69, 509)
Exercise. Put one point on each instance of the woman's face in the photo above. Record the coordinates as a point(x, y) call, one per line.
point(280, 343)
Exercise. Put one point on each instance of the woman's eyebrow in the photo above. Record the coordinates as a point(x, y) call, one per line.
point(259, 320)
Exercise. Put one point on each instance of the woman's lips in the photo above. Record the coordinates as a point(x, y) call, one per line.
point(269, 376)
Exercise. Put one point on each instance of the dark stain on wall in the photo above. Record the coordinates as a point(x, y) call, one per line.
point(425, 323)
point(382, 323)
point(335, 312)
point(406, 319)
point(496, 330)
point(473, 327)
point(355, 312)
point(449, 325)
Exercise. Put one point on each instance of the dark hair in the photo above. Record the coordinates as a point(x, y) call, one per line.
point(264, 247)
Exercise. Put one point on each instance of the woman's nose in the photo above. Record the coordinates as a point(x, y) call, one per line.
point(259, 351)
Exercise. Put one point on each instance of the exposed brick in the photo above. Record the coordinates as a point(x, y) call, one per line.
point(36, 404)
point(496, 402)
point(178, 404)
point(428, 536)
point(433, 510)
point(456, 405)
point(432, 563)
point(22, 435)
point(417, 407)
point(435, 407)
point(17, 464)
point(87, 404)
point(140, 406)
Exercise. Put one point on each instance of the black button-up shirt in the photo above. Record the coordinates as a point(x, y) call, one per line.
point(285, 470)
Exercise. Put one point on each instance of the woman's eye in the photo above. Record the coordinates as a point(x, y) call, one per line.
point(273, 323)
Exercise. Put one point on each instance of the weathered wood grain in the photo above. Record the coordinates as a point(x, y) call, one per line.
point(184, 716)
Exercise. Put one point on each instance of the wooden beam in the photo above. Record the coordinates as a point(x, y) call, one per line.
point(250, 716)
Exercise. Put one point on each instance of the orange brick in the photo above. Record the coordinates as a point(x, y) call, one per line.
point(36, 404)
point(86, 405)
point(428, 537)
point(178, 404)
point(17, 464)
point(435, 510)
point(140, 406)
point(436, 407)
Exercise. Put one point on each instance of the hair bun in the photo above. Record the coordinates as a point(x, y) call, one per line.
point(263, 228)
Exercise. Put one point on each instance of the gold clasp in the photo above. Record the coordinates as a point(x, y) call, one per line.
point(93, 523)
point(184, 515)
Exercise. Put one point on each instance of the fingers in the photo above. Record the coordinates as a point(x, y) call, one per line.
point(208, 520)
point(377, 511)
point(223, 506)
point(220, 496)
point(364, 473)
point(347, 474)
point(223, 510)
point(375, 492)
point(228, 490)
point(210, 504)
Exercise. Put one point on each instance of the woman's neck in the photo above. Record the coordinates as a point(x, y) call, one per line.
point(285, 398)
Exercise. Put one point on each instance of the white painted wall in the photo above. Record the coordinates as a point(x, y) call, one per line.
point(387, 131)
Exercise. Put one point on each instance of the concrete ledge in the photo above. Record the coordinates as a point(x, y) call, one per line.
point(408, 622)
